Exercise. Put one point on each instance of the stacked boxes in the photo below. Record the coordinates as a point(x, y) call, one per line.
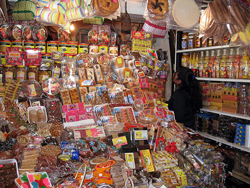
point(239, 138)
point(230, 101)
point(216, 96)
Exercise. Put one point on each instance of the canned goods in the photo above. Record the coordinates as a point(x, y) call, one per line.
point(93, 49)
point(51, 46)
point(83, 48)
point(103, 48)
point(46, 56)
point(72, 47)
point(28, 44)
point(4, 44)
point(62, 47)
point(3, 60)
point(17, 43)
point(113, 50)
point(42, 46)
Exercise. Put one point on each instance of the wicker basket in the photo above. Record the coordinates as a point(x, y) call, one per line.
point(24, 10)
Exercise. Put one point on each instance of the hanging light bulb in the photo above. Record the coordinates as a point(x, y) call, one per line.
point(72, 27)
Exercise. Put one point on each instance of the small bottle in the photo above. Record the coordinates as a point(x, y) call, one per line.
point(184, 59)
point(223, 64)
point(200, 65)
point(216, 69)
point(205, 64)
point(197, 41)
point(230, 64)
point(184, 42)
point(243, 73)
point(236, 64)
point(191, 41)
point(211, 64)
point(195, 65)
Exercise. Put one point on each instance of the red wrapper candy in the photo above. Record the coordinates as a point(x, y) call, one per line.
point(14, 56)
point(32, 57)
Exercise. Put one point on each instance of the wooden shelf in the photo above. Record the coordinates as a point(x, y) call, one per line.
point(223, 141)
point(223, 80)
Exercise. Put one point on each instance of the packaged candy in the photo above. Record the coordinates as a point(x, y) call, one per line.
point(84, 60)
point(31, 89)
point(16, 32)
point(27, 32)
point(37, 114)
point(4, 32)
point(68, 67)
point(104, 35)
point(39, 33)
point(53, 107)
point(51, 87)
point(113, 39)
point(47, 64)
point(14, 56)
point(32, 56)
point(93, 35)
point(57, 56)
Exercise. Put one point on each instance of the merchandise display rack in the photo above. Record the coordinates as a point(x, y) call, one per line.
point(223, 141)
point(223, 80)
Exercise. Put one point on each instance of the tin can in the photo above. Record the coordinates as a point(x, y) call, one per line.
point(28, 44)
point(93, 49)
point(46, 56)
point(4, 44)
point(62, 47)
point(42, 46)
point(72, 47)
point(51, 46)
point(113, 50)
point(83, 48)
point(17, 43)
point(103, 48)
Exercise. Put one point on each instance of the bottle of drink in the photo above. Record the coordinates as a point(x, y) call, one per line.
point(211, 64)
point(223, 64)
point(189, 61)
point(230, 63)
point(192, 62)
point(236, 64)
point(184, 59)
point(205, 64)
point(216, 69)
point(200, 65)
point(195, 66)
point(244, 66)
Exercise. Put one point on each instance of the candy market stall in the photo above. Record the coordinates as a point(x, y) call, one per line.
point(93, 113)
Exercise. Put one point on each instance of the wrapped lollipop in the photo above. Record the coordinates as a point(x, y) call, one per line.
point(39, 33)
point(27, 32)
point(51, 87)
point(16, 32)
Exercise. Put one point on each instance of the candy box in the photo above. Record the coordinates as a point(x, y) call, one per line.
point(8, 171)
point(32, 56)
point(39, 180)
point(22, 181)
point(14, 56)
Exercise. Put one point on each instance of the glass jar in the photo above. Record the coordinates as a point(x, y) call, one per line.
point(28, 44)
point(184, 60)
point(21, 73)
point(57, 69)
point(42, 46)
point(51, 46)
point(8, 73)
point(191, 42)
point(184, 42)
point(33, 73)
point(62, 47)
point(210, 41)
point(43, 74)
point(197, 41)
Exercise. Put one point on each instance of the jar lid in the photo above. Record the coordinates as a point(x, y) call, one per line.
point(32, 66)
point(8, 66)
point(20, 65)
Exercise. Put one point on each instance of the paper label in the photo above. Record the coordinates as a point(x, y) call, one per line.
point(20, 76)
point(31, 75)
point(32, 56)
point(129, 157)
point(127, 73)
point(14, 54)
point(141, 135)
point(37, 103)
point(120, 141)
point(137, 63)
point(147, 160)
point(119, 61)
point(8, 76)
point(32, 90)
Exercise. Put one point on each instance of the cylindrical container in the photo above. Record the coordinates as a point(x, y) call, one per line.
point(43, 74)
point(17, 43)
point(33, 73)
point(67, 56)
point(3, 60)
point(4, 44)
point(83, 48)
point(46, 56)
point(247, 136)
point(21, 73)
point(113, 50)
point(103, 48)
point(51, 46)
point(42, 46)
point(72, 47)
point(93, 49)
point(28, 44)
point(8, 73)
point(62, 47)
point(191, 41)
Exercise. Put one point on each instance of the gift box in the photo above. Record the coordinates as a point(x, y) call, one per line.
point(14, 56)
point(32, 57)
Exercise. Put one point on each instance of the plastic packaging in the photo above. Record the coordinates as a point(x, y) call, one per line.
point(27, 32)
point(37, 114)
point(84, 60)
point(39, 33)
point(31, 89)
point(32, 57)
point(51, 87)
point(68, 67)
point(53, 107)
